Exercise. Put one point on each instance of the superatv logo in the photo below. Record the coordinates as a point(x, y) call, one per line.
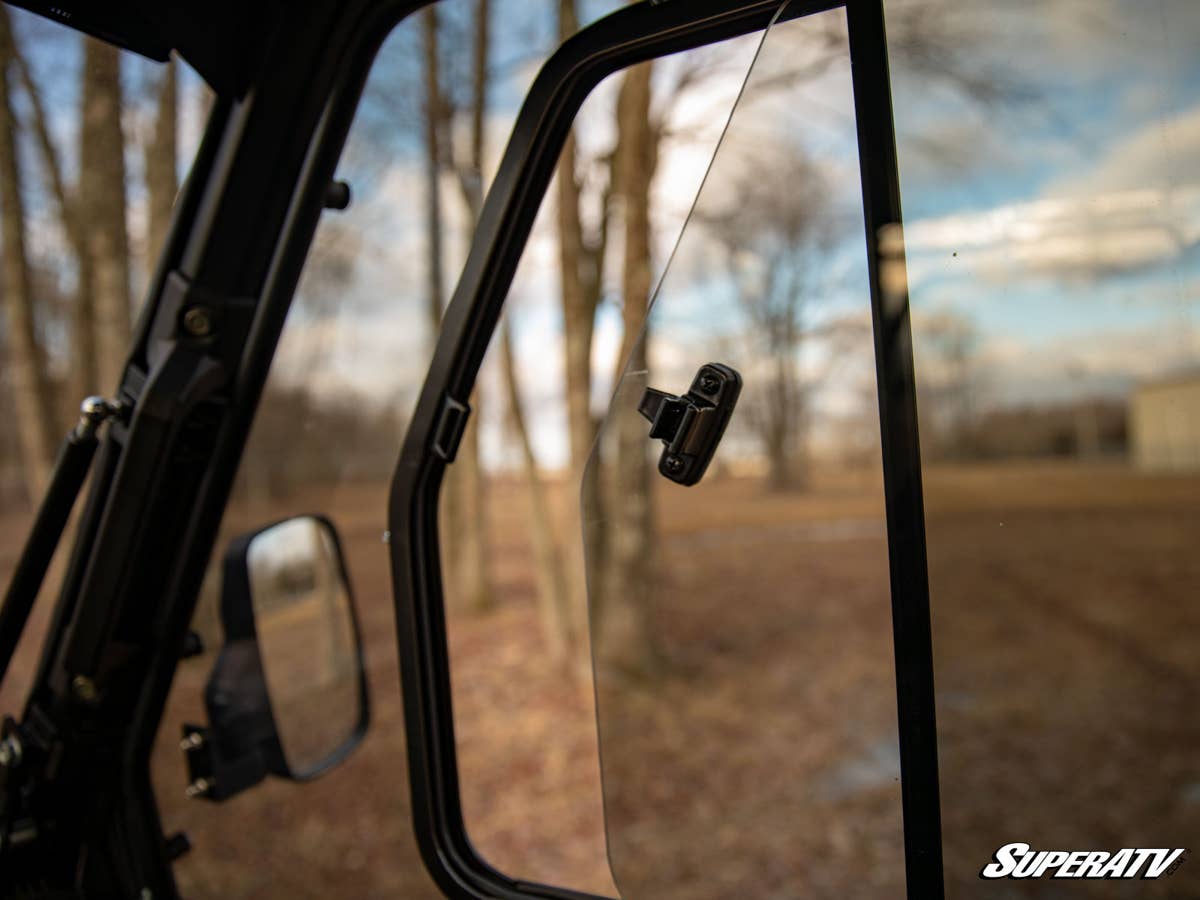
point(1019, 861)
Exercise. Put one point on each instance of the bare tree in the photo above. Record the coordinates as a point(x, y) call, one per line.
point(582, 251)
point(435, 262)
point(82, 378)
point(162, 160)
point(552, 580)
point(466, 508)
point(622, 615)
point(946, 351)
point(617, 550)
point(32, 397)
point(770, 241)
point(473, 571)
point(616, 493)
point(102, 203)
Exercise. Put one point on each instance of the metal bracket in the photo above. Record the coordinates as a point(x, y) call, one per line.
point(691, 426)
point(451, 425)
point(212, 775)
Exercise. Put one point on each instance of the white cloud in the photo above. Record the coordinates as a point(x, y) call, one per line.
point(1137, 206)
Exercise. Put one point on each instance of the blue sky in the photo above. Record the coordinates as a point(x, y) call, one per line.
point(1098, 165)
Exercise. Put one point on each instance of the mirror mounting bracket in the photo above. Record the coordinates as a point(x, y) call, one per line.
point(212, 775)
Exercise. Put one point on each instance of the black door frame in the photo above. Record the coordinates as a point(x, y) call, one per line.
point(635, 34)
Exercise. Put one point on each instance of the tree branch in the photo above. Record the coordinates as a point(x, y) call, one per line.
point(49, 153)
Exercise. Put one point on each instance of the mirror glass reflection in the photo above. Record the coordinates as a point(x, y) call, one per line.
point(307, 641)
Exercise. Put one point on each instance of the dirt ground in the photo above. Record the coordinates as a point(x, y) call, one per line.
point(762, 763)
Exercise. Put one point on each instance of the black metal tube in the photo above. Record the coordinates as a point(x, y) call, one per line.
point(70, 470)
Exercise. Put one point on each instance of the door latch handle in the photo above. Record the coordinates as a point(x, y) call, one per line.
point(691, 426)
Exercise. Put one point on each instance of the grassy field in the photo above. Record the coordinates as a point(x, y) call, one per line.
point(1066, 615)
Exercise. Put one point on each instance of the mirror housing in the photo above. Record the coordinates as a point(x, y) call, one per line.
point(281, 584)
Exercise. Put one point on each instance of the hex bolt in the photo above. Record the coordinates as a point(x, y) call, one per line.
point(198, 788)
point(84, 688)
point(337, 195)
point(10, 752)
point(193, 645)
point(197, 322)
point(709, 383)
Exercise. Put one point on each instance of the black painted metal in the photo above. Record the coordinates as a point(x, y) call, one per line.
point(70, 469)
point(896, 383)
point(240, 235)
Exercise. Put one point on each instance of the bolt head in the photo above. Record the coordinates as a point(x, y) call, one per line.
point(709, 383)
point(84, 688)
point(198, 788)
point(10, 752)
point(197, 322)
point(673, 464)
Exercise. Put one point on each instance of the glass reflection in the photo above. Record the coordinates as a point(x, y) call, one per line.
point(741, 627)
point(305, 629)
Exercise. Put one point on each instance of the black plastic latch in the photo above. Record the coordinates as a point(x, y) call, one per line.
point(452, 422)
point(691, 426)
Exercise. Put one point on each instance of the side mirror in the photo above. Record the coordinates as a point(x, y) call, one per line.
point(288, 692)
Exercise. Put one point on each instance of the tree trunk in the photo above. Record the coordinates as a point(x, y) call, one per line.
point(81, 376)
point(779, 428)
point(552, 580)
point(626, 635)
point(579, 310)
point(102, 201)
point(464, 507)
point(162, 181)
point(435, 280)
point(33, 401)
point(471, 563)
point(583, 549)
point(451, 508)
point(473, 577)
point(581, 265)
point(81, 379)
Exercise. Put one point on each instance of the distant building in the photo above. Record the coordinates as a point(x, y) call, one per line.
point(1164, 424)
point(1087, 429)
